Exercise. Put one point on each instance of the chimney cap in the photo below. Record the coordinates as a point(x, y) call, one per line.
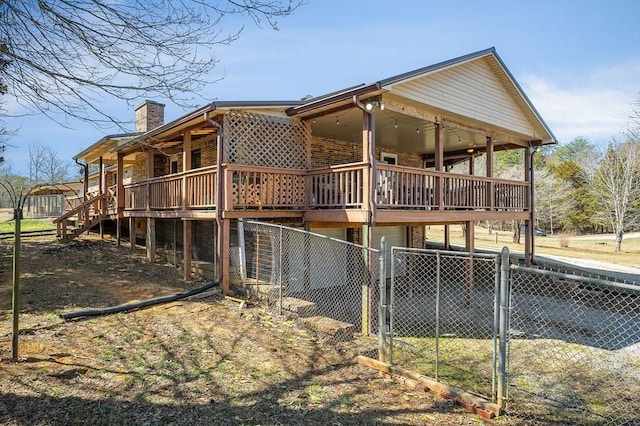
point(147, 102)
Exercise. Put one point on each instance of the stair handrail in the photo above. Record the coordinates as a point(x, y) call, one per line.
point(82, 206)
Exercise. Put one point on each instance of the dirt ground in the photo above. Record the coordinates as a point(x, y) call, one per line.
point(191, 362)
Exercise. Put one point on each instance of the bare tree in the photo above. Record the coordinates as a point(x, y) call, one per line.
point(553, 198)
point(64, 56)
point(36, 163)
point(46, 166)
point(617, 186)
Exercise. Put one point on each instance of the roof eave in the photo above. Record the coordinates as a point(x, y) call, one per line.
point(333, 98)
point(101, 141)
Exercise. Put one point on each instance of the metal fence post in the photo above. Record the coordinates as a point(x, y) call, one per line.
point(496, 326)
point(382, 311)
point(280, 274)
point(437, 360)
point(504, 321)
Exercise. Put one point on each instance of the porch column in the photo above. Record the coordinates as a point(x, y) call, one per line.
point(132, 233)
point(439, 165)
point(120, 196)
point(528, 236)
point(186, 151)
point(368, 150)
point(151, 240)
point(187, 249)
point(186, 165)
point(101, 178)
point(491, 196)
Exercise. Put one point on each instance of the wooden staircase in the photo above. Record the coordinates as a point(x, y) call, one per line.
point(82, 218)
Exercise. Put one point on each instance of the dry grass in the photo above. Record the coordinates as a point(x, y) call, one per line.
point(183, 363)
point(598, 250)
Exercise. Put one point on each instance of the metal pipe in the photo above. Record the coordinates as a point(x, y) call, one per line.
point(496, 325)
point(504, 323)
point(438, 265)
point(620, 286)
point(137, 305)
point(382, 311)
point(85, 177)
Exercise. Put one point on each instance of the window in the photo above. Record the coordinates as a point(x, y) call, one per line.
point(385, 157)
point(174, 166)
point(196, 159)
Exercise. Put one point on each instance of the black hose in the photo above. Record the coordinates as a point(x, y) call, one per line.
point(137, 305)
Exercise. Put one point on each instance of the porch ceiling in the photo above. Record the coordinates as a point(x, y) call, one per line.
point(394, 130)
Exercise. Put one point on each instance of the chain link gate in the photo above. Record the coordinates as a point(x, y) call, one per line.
point(443, 316)
point(312, 276)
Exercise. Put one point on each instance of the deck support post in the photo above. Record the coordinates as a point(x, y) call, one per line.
point(224, 256)
point(447, 237)
point(187, 248)
point(132, 233)
point(469, 237)
point(367, 237)
point(151, 239)
point(120, 196)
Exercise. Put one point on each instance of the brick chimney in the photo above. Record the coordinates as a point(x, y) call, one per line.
point(149, 115)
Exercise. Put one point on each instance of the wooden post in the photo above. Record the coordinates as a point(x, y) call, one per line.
point(187, 248)
point(491, 195)
point(186, 165)
point(528, 236)
point(120, 205)
point(132, 233)
point(225, 261)
point(469, 237)
point(367, 240)
point(101, 204)
point(447, 237)
point(151, 239)
point(439, 165)
point(15, 301)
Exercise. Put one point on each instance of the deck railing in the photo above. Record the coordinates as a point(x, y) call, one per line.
point(262, 187)
point(335, 187)
point(166, 192)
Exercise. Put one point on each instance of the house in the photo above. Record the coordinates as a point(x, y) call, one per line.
point(368, 161)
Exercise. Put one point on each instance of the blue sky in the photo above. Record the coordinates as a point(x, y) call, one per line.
point(577, 60)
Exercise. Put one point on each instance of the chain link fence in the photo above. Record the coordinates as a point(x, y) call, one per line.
point(331, 284)
point(574, 349)
point(548, 347)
